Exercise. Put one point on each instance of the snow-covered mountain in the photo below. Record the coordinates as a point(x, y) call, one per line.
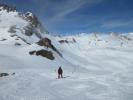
point(96, 66)
point(25, 26)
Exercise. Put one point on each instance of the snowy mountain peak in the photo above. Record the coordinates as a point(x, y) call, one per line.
point(6, 7)
point(29, 14)
point(23, 25)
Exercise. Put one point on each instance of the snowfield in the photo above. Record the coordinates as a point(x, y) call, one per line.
point(95, 66)
point(92, 73)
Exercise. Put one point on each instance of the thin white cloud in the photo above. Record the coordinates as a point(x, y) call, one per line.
point(70, 6)
point(116, 23)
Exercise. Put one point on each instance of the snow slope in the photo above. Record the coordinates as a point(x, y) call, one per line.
point(95, 66)
point(92, 72)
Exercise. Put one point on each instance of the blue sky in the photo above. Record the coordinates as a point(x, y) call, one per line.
point(75, 16)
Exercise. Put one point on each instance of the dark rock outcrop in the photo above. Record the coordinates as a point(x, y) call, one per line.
point(74, 40)
point(29, 30)
point(66, 41)
point(43, 53)
point(47, 43)
point(4, 74)
point(63, 41)
point(17, 44)
point(32, 52)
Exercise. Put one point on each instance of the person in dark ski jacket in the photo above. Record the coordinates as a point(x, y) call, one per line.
point(60, 71)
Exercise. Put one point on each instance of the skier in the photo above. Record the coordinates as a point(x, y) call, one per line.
point(60, 71)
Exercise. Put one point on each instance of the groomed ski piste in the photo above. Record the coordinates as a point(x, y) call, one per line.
point(95, 66)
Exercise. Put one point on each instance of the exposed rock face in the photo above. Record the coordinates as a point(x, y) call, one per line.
point(32, 18)
point(4, 74)
point(47, 43)
point(43, 53)
point(34, 26)
point(32, 52)
point(29, 31)
point(17, 44)
point(63, 41)
point(7, 7)
point(66, 41)
point(74, 40)
point(122, 37)
point(12, 29)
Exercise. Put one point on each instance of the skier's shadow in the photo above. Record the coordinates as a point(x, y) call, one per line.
point(63, 77)
point(66, 76)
